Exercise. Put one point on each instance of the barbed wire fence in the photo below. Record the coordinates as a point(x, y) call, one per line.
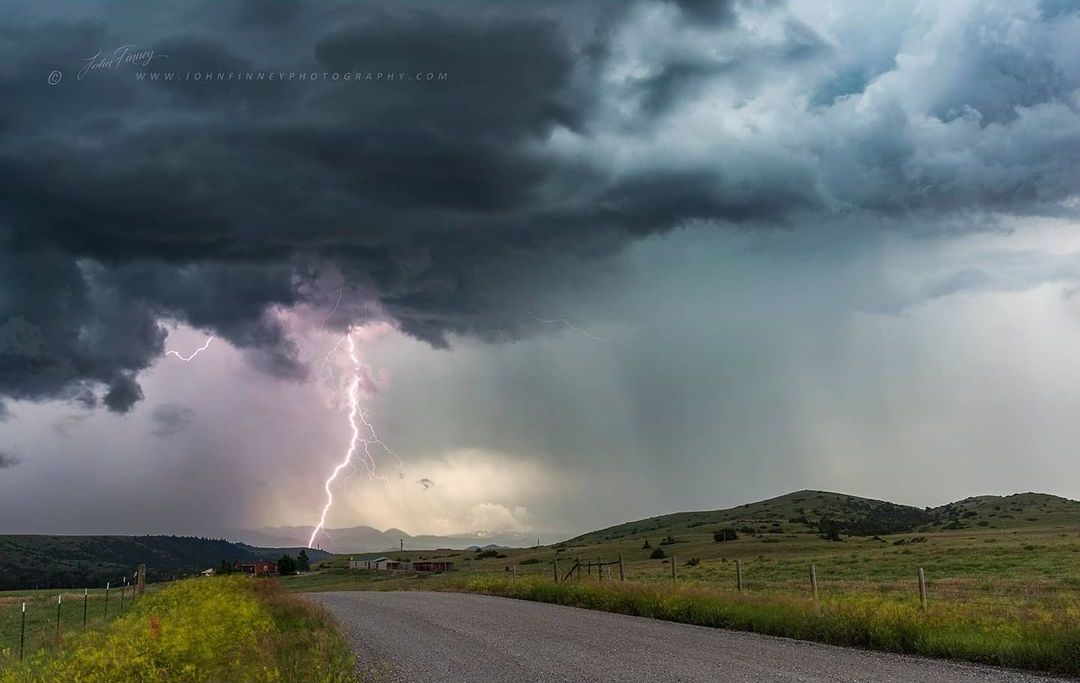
point(922, 589)
point(43, 619)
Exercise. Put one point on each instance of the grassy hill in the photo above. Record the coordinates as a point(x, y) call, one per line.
point(33, 561)
point(1028, 542)
point(810, 512)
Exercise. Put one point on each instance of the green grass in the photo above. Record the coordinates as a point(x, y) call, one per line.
point(1043, 641)
point(41, 616)
point(233, 629)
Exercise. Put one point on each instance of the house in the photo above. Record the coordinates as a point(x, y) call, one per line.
point(369, 563)
point(256, 568)
point(386, 564)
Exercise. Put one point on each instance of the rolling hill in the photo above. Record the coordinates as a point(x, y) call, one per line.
point(33, 561)
point(835, 514)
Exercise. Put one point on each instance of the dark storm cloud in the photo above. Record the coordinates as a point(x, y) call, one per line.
point(170, 419)
point(561, 133)
point(8, 460)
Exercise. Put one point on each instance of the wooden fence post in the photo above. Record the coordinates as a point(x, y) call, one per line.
point(555, 568)
point(674, 576)
point(58, 599)
point(813, 582)
point(22, 632)
point(85, 601)
point(513, 569)
point(600, 568)
point(922, 588)
point(140, 579)
point(106, 601)
point(738, 575)
point(622, 569)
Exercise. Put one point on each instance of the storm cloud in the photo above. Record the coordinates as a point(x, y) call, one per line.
point(559, 135)
point(170, 419)
point(8, 460)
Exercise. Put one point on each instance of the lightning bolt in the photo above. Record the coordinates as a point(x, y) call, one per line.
point(364, 438)
point(570, 326)
point(194, 353)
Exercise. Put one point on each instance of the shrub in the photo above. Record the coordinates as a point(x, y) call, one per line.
point(657, 554)
point(693, 562)
point(646, 545)
point(725, 535)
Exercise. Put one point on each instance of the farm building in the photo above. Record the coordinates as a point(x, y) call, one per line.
point(370, 563)
point(386, 564)
point(256, 568)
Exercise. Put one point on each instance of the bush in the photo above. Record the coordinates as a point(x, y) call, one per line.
point(693, 562)
point(646, 545)
point(725, 535)
point(657, 554)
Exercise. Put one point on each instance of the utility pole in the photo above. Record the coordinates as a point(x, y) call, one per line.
point(401, 544)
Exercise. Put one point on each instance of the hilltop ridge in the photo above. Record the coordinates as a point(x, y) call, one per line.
point(832, 513)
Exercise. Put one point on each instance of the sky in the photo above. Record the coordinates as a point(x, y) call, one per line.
point(597, 261)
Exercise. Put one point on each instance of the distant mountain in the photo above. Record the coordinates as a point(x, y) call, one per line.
point(33, 561)
point(834, 514)
point(365, 539)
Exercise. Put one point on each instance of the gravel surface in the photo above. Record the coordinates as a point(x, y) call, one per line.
point(450, 637)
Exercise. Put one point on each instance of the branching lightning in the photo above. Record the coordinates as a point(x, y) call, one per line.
point(570, 326)
point(194, 353)
point(364, 438)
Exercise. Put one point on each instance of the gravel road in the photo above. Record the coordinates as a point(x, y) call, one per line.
point(450, 637)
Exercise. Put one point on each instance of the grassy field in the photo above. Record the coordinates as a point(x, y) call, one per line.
point(41, 616)
point(1003, 574)
point(1033, 556)
point(199, 631)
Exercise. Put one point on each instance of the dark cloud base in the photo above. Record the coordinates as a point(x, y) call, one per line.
point(129, 202)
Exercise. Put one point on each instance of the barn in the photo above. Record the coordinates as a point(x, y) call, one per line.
point(256, 568)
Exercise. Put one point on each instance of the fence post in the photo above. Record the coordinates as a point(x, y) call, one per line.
point(922, 588)
point(22, 632)
point(674, 576)
point(123, 591)
point(555, 568)
point(85, 600)
point(58, 598)
point(106, 601)
point(813, 582)
point(578, 567)
point(622, 569)
point(140, 579)
point(738, 575)
point(600, 568)
point(513, 569)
